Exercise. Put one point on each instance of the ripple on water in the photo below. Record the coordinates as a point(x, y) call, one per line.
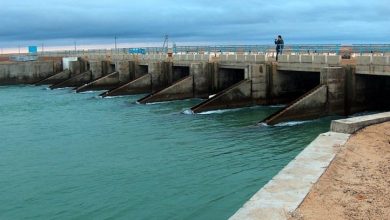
point(79, 156)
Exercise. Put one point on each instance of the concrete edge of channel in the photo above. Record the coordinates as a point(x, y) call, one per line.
point(286, 191)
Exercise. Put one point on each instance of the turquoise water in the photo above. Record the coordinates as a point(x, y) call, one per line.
point(76, 156)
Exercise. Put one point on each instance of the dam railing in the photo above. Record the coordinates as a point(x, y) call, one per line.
point(335, 49)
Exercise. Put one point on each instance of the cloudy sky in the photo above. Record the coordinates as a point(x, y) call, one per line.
point(63, 22)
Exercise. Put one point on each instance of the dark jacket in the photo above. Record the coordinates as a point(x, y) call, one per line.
point(279, 44)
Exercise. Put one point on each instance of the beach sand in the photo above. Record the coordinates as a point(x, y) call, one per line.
point(356, 185)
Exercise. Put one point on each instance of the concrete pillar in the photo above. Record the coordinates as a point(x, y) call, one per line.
point(158, 77)
point(132, 70)
point(74, 67)
point(335, 79)
point(107, 68)
point(123, 68)
point(201, 79)
point(260, 81)
point(96, 69)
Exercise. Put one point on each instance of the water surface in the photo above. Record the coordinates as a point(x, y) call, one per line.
point(76, 156)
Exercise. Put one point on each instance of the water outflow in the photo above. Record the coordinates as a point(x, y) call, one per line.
point(66, 155)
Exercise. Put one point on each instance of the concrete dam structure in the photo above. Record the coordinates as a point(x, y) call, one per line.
point(309, 85)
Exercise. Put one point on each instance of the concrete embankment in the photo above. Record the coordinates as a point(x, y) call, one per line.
point(285, 192)
point(356, 183)
point(25, 72)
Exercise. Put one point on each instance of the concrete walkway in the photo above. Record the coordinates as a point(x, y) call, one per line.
point(286, 191)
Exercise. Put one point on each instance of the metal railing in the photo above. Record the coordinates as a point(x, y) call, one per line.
point(226, 49)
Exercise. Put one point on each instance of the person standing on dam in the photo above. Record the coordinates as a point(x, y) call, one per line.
point(279, 46)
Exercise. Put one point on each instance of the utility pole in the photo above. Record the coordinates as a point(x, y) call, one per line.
point(43, 48)
point(165, 45)
point(19, 49)
point(115, 44)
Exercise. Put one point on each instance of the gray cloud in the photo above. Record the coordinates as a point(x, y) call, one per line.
point(215, 21)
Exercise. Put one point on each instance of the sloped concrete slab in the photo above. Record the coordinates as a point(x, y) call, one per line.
point(289, 187)
point(351, 125)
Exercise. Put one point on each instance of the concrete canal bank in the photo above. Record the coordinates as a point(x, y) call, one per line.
point(281, 196)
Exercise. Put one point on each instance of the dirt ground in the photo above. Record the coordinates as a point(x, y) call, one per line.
point(357, 183)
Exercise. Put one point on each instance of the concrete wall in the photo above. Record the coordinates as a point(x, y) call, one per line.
point(25, 72)
point(373, 65)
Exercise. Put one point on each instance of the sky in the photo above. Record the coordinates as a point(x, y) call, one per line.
point(61, 23)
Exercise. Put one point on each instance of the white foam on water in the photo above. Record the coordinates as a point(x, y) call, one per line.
point(219, 111)
point(292, 123)
point(87, 92)
point(263, 124)
point(63, 88)
point(111, 97)
point(188, 112)
point(162, 102)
